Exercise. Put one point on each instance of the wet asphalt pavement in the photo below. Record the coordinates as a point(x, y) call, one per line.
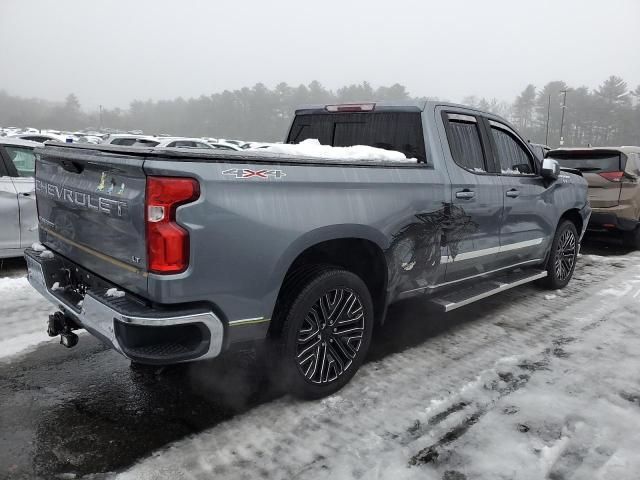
point(84, 410)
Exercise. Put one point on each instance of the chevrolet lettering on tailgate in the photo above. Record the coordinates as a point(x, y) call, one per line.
point(80, 199)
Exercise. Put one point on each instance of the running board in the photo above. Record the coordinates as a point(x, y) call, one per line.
point(464, 296)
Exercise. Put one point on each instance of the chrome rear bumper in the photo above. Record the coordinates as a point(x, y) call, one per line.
point(140, 333)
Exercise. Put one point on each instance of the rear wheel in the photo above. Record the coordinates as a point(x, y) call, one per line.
point(563, 255)
point(326, 332)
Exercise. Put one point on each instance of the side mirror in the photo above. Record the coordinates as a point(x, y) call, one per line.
point(550, 169)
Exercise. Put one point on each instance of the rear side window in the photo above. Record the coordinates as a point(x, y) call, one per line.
point(143, 142)
point(183, 144)
point(124, 141)
point(589, 162)
point(398, 131)
point(464, 141)
point(23, 159)
point(512, 156)
point(37, 139)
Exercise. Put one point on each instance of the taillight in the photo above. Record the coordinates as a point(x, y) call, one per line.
point(612, 176)
point(168, 242)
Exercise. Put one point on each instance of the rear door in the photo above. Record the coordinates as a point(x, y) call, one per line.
point(476, 204)
point(21, 163)
point(524, 233)
point(91, 210)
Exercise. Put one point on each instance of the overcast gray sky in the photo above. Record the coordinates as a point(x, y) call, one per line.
point(111, 52)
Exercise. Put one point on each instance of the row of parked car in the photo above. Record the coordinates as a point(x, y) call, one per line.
point(133, 138)
point(613, 175)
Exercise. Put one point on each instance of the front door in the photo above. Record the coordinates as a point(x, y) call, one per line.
point(9, 216)
point(20, 166)
point(472, 234)
point(524, 236)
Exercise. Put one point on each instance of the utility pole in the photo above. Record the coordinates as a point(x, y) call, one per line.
point(546, 141)
point(564, 107)
point(100, 123)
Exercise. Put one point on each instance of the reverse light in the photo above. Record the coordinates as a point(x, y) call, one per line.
point(168, 242)
point(612, 176)
point(351, 107)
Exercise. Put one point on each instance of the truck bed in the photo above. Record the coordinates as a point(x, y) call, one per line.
point(221, 156)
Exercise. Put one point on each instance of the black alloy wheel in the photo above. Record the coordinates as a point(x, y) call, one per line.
point(562, 257)
point(326, 318)
point(330, 336)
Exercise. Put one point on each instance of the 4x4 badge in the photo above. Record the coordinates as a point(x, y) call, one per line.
point(248, 173)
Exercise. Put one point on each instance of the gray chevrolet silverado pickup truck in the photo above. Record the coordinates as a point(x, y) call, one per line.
point(171, 256)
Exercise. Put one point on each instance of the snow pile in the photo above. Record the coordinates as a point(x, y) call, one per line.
point(115, 293)
point(312, 148)
point(38, 247)
point(511, 171)
point(46, 254)
point(25, 312)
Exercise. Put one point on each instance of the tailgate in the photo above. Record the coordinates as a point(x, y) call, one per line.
point(603, 193)
point(91, 210)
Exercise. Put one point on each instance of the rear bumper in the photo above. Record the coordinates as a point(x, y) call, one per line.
point(621, 217)
point(140, 332)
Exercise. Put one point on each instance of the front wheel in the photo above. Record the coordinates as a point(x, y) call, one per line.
point(563, 255)
point(326, 333)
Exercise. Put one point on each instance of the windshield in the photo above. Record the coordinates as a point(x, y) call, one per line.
point(397, 131)
point(595, 163)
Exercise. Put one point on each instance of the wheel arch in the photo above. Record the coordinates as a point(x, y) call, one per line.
point(358, 249)
point(573, 215)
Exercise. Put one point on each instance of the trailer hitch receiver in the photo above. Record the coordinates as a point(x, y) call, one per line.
point(61, 324)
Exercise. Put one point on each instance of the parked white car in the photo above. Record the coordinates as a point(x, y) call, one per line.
point(127, 139)
point(182, 142)
point(44, 137)
point(225, 146)
point(17, 196)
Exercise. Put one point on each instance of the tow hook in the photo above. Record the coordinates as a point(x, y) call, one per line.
point(61, 324)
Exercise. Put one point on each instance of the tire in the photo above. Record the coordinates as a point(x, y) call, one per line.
point(327, 323)
point(631, 239)
point(562, 257)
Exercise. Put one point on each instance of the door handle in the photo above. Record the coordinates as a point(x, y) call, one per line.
point(26, 194)
point(513, 193)
point(466, 193)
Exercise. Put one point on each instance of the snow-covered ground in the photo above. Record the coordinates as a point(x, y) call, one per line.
point(526, 385)
point(547, 386)
point(23, 317)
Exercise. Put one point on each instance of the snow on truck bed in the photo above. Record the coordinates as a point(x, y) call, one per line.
point(312, 148)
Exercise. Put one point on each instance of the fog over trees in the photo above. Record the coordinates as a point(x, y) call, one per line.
point(606, 115)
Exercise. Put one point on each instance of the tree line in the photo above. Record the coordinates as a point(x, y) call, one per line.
point(606, 115)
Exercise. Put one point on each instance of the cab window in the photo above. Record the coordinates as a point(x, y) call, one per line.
point(513, 157)
point(463, 134)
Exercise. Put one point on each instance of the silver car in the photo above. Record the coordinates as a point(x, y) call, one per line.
point(17, 196)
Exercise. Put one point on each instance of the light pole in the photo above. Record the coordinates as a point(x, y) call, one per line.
point(564, 107)
point(546, 141)
point(100, 122)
